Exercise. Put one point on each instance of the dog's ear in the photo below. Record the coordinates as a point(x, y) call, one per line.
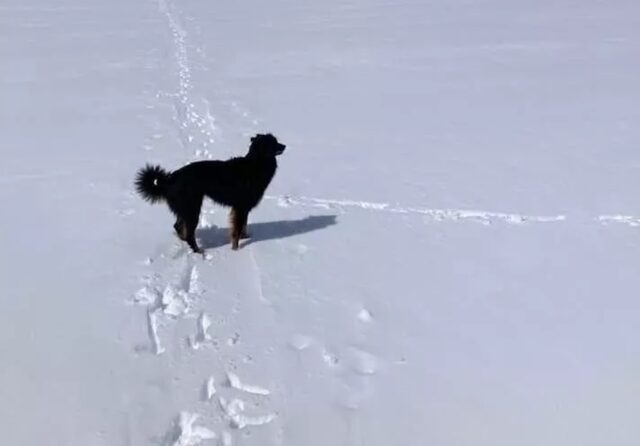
point(258, 136)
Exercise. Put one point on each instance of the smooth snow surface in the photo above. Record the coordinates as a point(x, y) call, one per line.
point(448, 254)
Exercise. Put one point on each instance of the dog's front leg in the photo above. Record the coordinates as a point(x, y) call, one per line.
point(238, 226)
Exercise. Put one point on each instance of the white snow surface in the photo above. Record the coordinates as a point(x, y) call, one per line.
point(448, 254)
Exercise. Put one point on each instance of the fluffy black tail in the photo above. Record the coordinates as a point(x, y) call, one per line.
point(151, 183)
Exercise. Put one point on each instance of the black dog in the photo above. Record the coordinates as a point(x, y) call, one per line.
point(238, 182)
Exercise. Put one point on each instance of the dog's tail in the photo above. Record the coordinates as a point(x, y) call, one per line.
point(151, 183)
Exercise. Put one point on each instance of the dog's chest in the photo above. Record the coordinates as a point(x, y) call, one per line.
point(259, 175)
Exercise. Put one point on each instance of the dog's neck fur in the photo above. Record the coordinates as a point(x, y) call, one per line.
point(262, 168)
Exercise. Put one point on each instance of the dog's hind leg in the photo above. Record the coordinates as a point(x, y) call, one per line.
point(191, 223)
point(181, 229)
point(238, 226)
point(187, 210)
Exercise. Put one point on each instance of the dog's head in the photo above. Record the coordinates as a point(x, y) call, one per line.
point(265, 146)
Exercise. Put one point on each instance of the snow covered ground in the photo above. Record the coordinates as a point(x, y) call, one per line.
point(447, 256)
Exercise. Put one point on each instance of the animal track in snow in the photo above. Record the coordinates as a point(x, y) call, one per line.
point(356, 392)
point(364, 316)
point(234, 382)
point(190, 120)
point(355, 359)
point(233, 340)
point(187, 434)
point(629, 220)
point(301, 249)
point(194, 284)
point(126, 212)
point(172, 302)
point(234, 411)
point(152, 327)
point(300, 342)
point(146, 296)
point(361, 362)
point(330, 359)
point(175, 303)
point(483, 217)
point(201, 337)
point(210, 388)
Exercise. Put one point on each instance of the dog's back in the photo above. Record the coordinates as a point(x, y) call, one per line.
point(237, 182)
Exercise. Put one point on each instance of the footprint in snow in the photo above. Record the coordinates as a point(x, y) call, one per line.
point(364, 316)
point(301, 249)
point(300, 342)
point(361, 361)
point(330, 359)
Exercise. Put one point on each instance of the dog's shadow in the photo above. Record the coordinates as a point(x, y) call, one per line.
point(214, 237)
